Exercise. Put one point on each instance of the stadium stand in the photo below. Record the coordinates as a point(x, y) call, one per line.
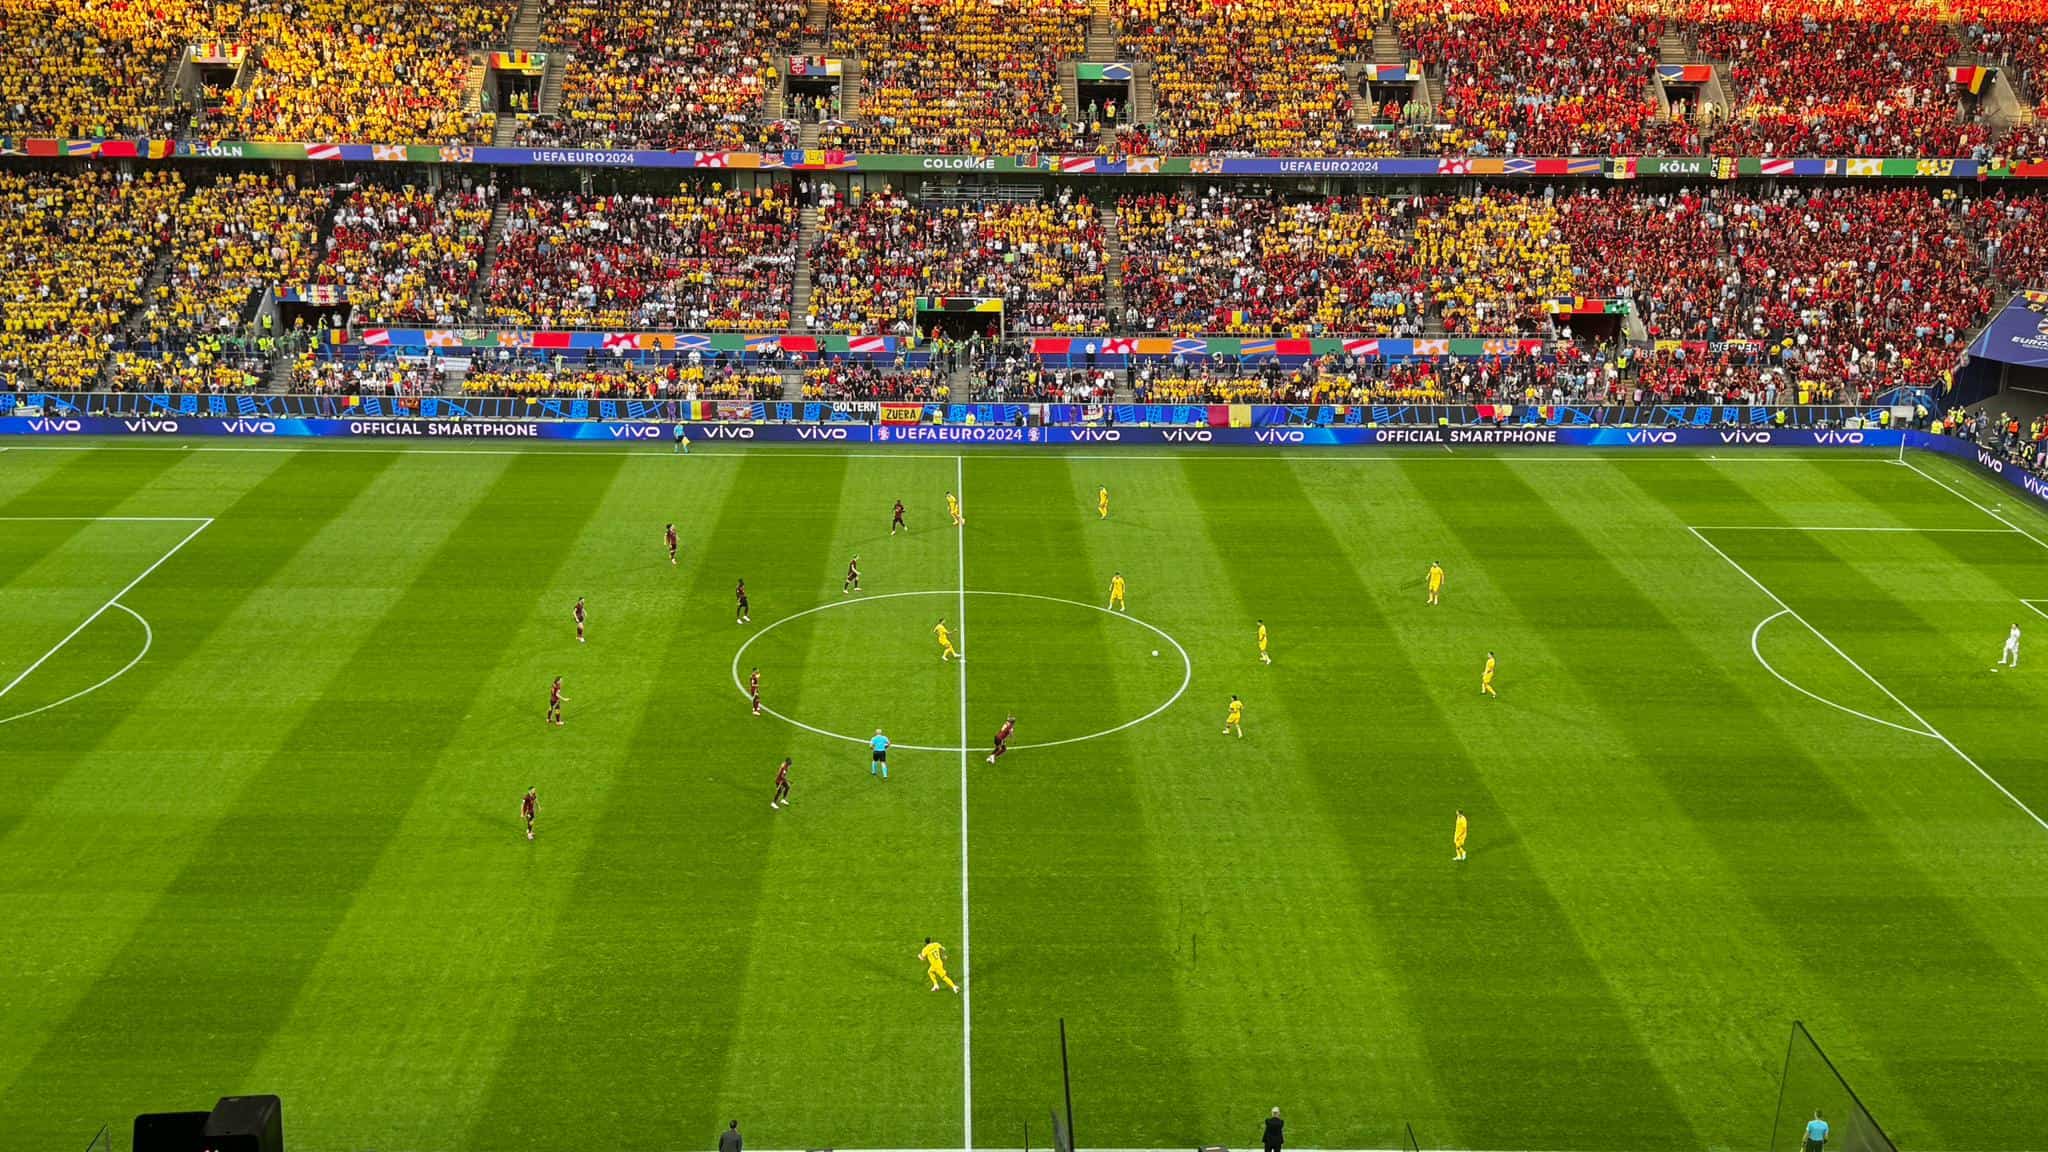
point(408, 254)
point(849, 381)
point(951, 76)
point(705, 258)
point(75, 250)
point(873, 259)
point(88, 68)
point(669, 73)
point(536, 374)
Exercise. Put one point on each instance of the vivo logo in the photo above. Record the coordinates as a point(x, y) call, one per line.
point(715, 432)
point(1097, 436)
point(1187, 436)
point(1745, 437)
point(150, 425)
point(1838, 437)
point(1989, 461)
point(1652, 436)
point(53, 426)
point(2033, 485)
point(821, 433)
point(1280, 436)
point(248, 427)
point(635, 432)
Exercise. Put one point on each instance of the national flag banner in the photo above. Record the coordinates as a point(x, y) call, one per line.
point(1866, 166)
point(902, 413)
point(1295, 347)
point(1941, 168)
point(1361, 347)
point(804, 344)
point(81, 147)
point(1051, 346)
point(1621, 168)
point(711, 159)
point(1142, 165)
point(549, 340)
point(1582, 166)
point(621, 342)
point(768, 159)
point(1118, 347)
point(355, 401)
point(1519, 166)
point(159, 149)
point(1453, 166)
point(1154, 346)
point(1432, 347)
point(1240, 415)
point(867, 345)
point(1775, 167)
point(511, 339)
point(377, 337)
point(1486, 166)
point(1494, 347)
point(118, 149)
point(693, 343)
point(1972, 77)
point(763, 343)
point(457, 155)
point(42, 146)
point(323, 151)
point(1077, 163)
point(700, 409)
point(442, 338)
point(1189, 346)
point(387, 151)
point(1257, 347)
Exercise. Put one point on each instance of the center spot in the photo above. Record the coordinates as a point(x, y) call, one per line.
point(1068, 670)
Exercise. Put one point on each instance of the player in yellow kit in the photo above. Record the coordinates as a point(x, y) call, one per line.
point(1486, 678)
point(1436, 580)
point(1102, 502)
point(945, 642)
point(934, 958)
point(1458, 836)
point(1116, 592)
point(1236, 718)
point(1263, 657)
point(953, 508)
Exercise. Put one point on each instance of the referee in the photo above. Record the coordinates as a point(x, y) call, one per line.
point(880, 761)
point(1816, 1134)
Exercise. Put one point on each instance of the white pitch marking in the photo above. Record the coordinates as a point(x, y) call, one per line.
point(1187, 668)
point(111, 602)
point(2034, 606)
point(148, 638)
point(1818, 528)
point(966, 957)
point(1879, 684)
point(1991, 512)
point(1802, 690)
point(111, 519)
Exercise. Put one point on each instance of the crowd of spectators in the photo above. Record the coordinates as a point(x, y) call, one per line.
point(953, 76)
point(1545, 78)
point(75, 249)
point(230, 241)
point(1247, 76)
point(706, 258)
point(1491, 261)
point(875, 257)
point(669, 73)
point(2013, 232)
point(407, 376)
point(531, 373)
point(2022, 444)
point(408, 254)
point(366, 71)
point(1250, 262)
point(847, 380)
point(86, 68)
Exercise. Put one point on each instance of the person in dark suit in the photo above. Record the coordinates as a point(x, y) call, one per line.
point(1273, 1138)
point(729, 1140)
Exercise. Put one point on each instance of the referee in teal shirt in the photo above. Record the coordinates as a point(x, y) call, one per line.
point(880, 762)
point(1816, 1134)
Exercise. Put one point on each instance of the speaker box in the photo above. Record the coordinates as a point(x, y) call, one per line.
point(170, 1132)
point(246, 1124)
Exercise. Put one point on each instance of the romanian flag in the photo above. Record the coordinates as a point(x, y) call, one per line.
point(1971, 76)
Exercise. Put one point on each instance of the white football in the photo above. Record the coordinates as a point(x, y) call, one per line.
point(1155, 651)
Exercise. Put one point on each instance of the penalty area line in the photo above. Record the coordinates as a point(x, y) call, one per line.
point(1908, 709)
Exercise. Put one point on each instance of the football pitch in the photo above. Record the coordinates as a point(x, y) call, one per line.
point(269, 712)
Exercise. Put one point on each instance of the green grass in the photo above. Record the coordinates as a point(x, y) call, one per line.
point(280, 854)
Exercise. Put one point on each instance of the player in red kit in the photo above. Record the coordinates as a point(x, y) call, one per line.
point(754, 690)
point(555, 699)
point(669, 534)
point(852, 582)
point(579, 614)
point(781, 785)
point(739, 593)
point(897, 521)
point(529, 808)
point(1003, 739)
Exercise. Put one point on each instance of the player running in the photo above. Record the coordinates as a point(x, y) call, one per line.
point(1116, 592)
point(953, 509)
point(852, 581)
point(896, 520)
point(1236, 718)
point(669, 534)
point(580, 615)
point(754, 690)
point(555, 699)
point(946, 651)
point(781, 785)
point(740, 609)
point(1458, 836)
point(1486, 678)
point(934, 958)
point(2011, 655)
point(1264, 657)
point(1436, 581)
point(1003, 739)
point(1101, 503)
point(529, 807)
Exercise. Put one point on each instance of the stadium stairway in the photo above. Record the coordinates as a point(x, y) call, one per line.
point(488, 257)
point(1672, 48)
point(551, 83)
point(1101, 37)
point(851, 87)
point(1070, 91)
point(1386, 44)
point(1112, 263)
point(817, 19)
point(807, 238)
point(1144, 101)
point(526, 27)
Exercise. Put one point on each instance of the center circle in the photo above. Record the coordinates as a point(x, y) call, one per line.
point(965, 640)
